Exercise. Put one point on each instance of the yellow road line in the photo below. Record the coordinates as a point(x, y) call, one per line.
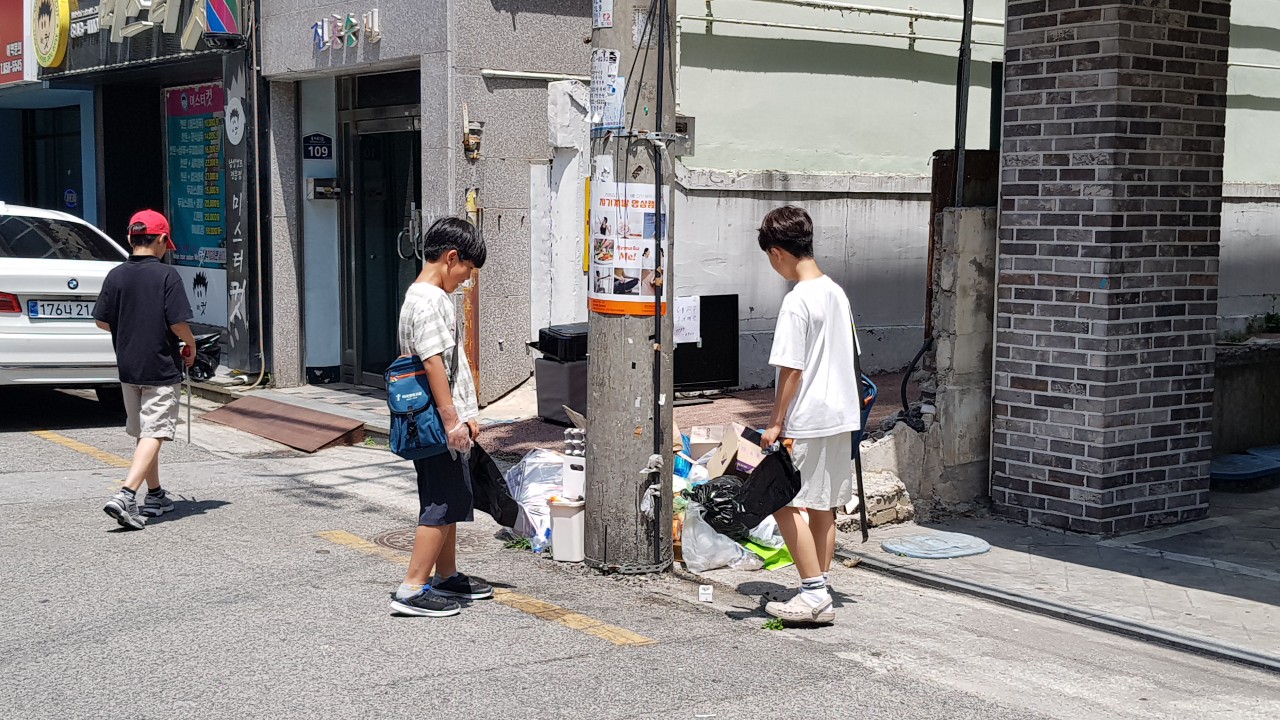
point(537, 608)
point(359, 544)
point(101, 456)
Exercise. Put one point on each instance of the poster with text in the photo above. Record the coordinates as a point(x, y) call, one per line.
point(193, 125)
point(626, 238)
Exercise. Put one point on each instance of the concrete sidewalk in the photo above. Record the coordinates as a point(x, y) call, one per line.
point(511, 426)
point(1180, 586)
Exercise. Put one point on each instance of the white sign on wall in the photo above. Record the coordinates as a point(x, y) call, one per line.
point(602, 14)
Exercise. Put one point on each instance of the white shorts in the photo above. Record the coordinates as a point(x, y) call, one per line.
point(826, 471)
point(151, 410)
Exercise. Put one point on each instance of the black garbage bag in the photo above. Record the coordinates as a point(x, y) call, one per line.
point(720, 506)
point(769, 488)
point(489, 489)
point(734, 507)
point(208, 355)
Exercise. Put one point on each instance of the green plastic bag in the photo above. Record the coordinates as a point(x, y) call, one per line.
point(774, 558)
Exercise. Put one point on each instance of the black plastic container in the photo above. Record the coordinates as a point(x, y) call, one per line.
point(563, 343)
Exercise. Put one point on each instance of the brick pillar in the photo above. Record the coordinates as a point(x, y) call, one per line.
point(1111, 196)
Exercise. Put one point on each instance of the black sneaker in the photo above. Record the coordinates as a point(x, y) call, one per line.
point(461, 586)
point(425, 604)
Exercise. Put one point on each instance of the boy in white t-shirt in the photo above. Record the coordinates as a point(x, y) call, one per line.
point(816, 406)
point(453, 250)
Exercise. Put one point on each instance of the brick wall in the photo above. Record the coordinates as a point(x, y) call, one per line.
point(1111, 195)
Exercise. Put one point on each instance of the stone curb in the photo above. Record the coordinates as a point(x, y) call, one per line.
point(1070, 613)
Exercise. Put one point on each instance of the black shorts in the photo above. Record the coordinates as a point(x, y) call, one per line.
point(444, 490)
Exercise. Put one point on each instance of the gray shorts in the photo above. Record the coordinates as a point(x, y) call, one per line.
point(826, 471)
point(151, 411)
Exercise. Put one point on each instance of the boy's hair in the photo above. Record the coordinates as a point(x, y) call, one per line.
point(787, 228)
point(143, 240)
point(454, 233)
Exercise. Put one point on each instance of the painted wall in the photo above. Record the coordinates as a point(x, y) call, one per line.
point(1253, 94)
point(808, 101)
point(318, 113)
point(1248, 281)
point(871, 236)
point(559, 288)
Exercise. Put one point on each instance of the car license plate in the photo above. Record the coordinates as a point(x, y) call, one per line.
point(60, 309)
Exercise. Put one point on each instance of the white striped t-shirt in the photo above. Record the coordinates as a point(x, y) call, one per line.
point(428, 327)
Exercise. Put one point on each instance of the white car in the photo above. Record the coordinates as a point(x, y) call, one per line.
point(51, 268)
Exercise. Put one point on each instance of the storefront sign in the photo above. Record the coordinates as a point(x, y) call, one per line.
point(50, 29)
point(241, 305)
point(194, 150)
point(317, 146)
point(105, 33)
point(339, 31)
point(13, 40)
point(625, 269)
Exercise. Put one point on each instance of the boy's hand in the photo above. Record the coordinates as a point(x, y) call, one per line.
point(475, 429)
point(771, 435)
point(188, 356)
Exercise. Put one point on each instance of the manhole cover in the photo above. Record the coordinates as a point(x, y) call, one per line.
point(402, 540)
point(396, 539)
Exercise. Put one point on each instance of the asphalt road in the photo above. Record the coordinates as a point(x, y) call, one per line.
point(263, 597)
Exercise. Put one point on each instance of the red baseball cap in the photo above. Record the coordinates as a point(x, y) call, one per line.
point(150, 222)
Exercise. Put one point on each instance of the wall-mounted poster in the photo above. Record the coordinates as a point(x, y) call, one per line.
point(625, 271)
point(197, 191)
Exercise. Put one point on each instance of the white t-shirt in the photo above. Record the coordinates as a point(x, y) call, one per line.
point(428, 327)
point(815, 336)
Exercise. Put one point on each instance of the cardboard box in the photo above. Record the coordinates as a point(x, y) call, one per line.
point(738, 454)
point(704, 439)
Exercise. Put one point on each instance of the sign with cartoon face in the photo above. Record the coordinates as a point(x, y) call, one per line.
point(50, 24)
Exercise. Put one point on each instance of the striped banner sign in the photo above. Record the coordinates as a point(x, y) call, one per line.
point(222, 16)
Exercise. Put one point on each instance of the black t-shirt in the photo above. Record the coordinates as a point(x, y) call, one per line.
point(140, 299)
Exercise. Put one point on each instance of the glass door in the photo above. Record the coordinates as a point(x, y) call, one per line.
point(386, 230)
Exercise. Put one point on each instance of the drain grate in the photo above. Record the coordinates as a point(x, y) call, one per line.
point(401, 540)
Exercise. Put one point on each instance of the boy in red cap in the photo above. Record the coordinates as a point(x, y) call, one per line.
point(144, 306)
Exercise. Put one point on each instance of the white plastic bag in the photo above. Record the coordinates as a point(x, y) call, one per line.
point(532, 482)
point(767, 534)
point(705, 549)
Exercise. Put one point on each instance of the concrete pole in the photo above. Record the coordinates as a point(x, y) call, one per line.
point(627, 355)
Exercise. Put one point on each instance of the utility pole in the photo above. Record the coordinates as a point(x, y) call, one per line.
point(631, 394)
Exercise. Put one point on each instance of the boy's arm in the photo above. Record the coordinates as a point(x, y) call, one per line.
point(438, 380)
point(102, 326)
point(183, 331)
point(788, 386)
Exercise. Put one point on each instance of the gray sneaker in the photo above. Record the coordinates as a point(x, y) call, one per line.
point(157, 505)
point(124, 508)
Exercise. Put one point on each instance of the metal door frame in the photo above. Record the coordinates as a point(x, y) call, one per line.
point(351, 125)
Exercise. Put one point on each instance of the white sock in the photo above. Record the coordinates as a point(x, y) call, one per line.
point(814, 590)
point(406, 591)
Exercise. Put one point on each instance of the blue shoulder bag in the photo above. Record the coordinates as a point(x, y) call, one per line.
point(417, 432)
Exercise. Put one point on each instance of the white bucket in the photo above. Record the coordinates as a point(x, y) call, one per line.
point(568, 529)
point(574, 482)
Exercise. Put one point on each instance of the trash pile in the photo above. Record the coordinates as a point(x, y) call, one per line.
point(725, 487)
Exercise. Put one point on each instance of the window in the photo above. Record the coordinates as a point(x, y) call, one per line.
point(44, 238)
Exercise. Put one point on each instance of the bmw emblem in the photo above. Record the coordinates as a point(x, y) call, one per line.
point(73, 283)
